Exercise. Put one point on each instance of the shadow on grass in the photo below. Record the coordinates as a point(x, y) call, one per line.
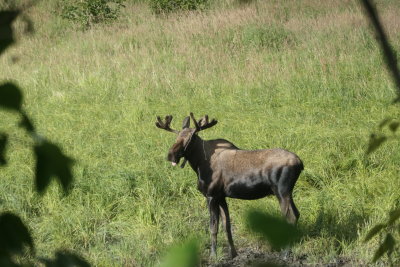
point(341, 229)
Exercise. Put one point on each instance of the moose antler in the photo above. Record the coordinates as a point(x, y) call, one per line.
point(165, 125)
point(203, 123)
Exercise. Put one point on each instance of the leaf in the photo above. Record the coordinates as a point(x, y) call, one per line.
point(277, 231)
point(186, 255)
point(3, 144)
point(66, 259)
point(26, 123)
point(50, 161)
point(10, 97)
point(8, 262)
point(374, 142)
point(6, 31)
point(14, 235)
point(375, 230)
point(29, 28)
point(384, 122)
point(386, 247)
point(393, 126)
point(394, 215)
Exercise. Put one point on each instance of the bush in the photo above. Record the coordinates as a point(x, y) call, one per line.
point(168, 6)
point(89, 12)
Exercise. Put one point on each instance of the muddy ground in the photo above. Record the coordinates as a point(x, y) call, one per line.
point(254, 257)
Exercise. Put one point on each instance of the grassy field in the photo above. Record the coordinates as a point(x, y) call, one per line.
point(307, 76)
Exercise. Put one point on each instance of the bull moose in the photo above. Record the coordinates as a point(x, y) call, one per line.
point(223, 170)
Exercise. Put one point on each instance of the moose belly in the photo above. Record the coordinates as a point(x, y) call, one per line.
point(248, 188)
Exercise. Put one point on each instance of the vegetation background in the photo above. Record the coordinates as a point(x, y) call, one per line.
point(307, 76)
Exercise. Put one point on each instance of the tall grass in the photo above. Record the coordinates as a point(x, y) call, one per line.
point(306, 76)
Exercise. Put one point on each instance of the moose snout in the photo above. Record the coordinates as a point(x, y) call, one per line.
point(173, 157)
point(170, 157)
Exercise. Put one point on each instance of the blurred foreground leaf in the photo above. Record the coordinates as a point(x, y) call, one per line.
point(6, 32)
point(66, 259)
point(29, 28)
point(186, 255)
point(14, 235)
point(386, 48)
point(394, 215)
point(26, 123)
point(374, 231)
point(276, 231)
point(393, 126)
point(10, 97)
point(374, 142)
point(3, 144)
point(50, 161)
point(384, 122)
point(386, 247)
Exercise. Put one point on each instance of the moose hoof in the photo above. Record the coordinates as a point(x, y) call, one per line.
point(233, 254)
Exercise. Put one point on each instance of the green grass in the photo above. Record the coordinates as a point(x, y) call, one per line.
point(305, 76)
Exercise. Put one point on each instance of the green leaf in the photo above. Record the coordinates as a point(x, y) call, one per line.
point(6, 32)
point(26, 123)
point(10, 97)
point(386, 247)
point(14, 235)
point(29, 28)
point(394, 215)
point(50, 161)
point(276, 231)
point(384, 122)
point(3, 144)
point(375, 230)
point(393, 126)
point(8, 261)
point(66, 259)
point(374, 142)
point(186, 255)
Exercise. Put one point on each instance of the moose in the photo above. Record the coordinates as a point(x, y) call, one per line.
point(223, 170)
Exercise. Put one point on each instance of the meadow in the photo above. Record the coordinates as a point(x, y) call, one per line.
point(306, 75)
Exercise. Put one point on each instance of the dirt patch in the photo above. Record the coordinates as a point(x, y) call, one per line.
point(252, 257)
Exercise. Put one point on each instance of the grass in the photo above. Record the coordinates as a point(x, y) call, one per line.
point(306, 76)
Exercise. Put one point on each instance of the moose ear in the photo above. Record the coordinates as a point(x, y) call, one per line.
point(186, 123)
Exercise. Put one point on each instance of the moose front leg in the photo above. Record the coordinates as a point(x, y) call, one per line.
point(213, 207)
point(227, 224)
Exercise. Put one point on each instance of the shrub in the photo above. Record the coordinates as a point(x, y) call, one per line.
point(89, 12)
point(168, 6)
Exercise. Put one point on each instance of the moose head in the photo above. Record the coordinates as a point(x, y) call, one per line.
point(185, 136)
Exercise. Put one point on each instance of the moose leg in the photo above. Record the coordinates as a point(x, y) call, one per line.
point(291, 213)
point(294, 212)
point(284, 194)
point(213, 207)
point(288, 209)
point(227, 225)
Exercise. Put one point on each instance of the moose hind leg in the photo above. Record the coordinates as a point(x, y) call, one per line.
point(227, 224)
point(288, 209)
point(285, 187)
point(213, 207)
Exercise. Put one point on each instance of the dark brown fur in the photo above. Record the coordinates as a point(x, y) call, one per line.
point(223, 170)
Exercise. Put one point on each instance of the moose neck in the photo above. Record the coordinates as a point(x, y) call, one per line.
point(197, 154)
